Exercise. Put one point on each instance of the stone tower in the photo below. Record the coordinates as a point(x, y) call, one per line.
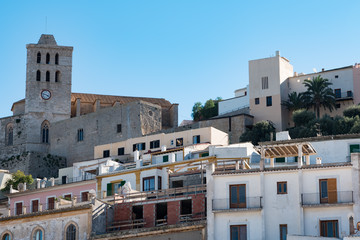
point(48, 90)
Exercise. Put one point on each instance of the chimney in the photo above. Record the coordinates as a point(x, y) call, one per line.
point(323, 69)
point(52, 180)
point(24, 186)
point(163, 148)
point(318, 160)
point(43, 183)
point(277, 53)
point(295, 74)
point(136, 155)
point(38, 181)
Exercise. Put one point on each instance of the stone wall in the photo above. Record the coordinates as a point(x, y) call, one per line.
point(100, 127)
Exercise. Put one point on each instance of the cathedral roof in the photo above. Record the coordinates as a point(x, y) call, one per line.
point(110, 99)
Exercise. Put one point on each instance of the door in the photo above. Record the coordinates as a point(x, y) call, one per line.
point(238, 196)
point(19, 208)
point(328, 190)
point(51, 203)
point(35, 205)
point(84, 196)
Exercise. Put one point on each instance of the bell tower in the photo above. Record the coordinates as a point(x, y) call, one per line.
point(48, 87)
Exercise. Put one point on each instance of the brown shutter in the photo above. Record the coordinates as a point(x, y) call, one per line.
point(332, 190)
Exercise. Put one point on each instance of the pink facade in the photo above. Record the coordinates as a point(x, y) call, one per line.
point(42, 195)
point(356, 79)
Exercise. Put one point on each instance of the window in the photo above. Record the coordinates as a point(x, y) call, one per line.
point(269, 101)
point(48, 76)
point(71, 232)
point(283, 231)
point(80, 135)
point(354, 148)
point(37, 235)
point(45, 132)
point(51, 203)
point(238, 196)
point(177, 184)
point(329, 228)
point(47, 58)
point(338, 93)
point(149, 184)
point(57, 59)
point(84, 196)
point(34, 206)
point(118, 128)
point(139, 146)
point(57, 76)
point(349, 94)
point(38, 57)
point(117, 187)
point(166, 158)
point(196, 139)
point(179, 142)
point(257, 101)
point(106, 153)
point(281, 187)
point(67, 197)
point(337, 105)
point(336, 76)
point(159, 183)
point(109, 190)
point(172, 142)
point(282, 159)
point(6, 236)
point(121, 151)
point(238, 232)
point(264, 82)
point(18, 208)
point(186, 207)
point(38, 75)
point(328, 190)
point(9, 135)
point(155, 144)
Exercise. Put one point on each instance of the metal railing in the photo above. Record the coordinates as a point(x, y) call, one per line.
point(75, 179)
point(339, 95)
point(249, 203)
point(232, 164)
point(327, 198)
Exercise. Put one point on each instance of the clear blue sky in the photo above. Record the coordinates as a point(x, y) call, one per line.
point(184, 51)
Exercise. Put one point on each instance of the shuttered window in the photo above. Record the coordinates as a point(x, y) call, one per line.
point(238, 232)
point(109, 189)
point(328, 190)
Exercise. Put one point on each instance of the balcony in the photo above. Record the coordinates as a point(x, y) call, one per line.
point(250, 203)
point(328, 199)
point(343, 95)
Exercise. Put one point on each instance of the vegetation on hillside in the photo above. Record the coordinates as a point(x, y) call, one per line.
point(206, 111)
point(16, 179)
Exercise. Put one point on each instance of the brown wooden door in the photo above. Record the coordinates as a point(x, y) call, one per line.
point(328, 190)
point(51, 203)
point(238, 196)
point(19, 208)
point(332, 189)
point(35, 205)
point(84, 196)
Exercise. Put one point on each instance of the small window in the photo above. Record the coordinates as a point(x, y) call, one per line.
point(80, 135)
point(155, 144)
point(179, 142)
point(336, 76)
point(48, 76)
point(67, 197)
point(329, 228)
point(106, 153)
point(38, 235)
point(121, 151)
point(166, 158)
point(6, 236)
point(196, 139)
point(269, 101)
point(57, 59)
point(118, 128)
point(337, 105)
point(337, 93)
point(177, 184)
point(257, 101)
point(354, 148)
point(71, 232)
point(283, 231)
point(349, 94)
point(47, 58)
point(45, 132)
point(9, 135)
point(38, 75)
point(139, 146)
point(265, 82)
point(172, 142)
point(38, 57)
point(57, 76)
point(281, 187)
point(238, 232)
point(159, 183)
point(84, 196)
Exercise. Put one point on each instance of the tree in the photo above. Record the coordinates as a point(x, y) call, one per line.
point(206, 111)
point(295, 101)
point(302, 117)
point(16, 179)
point(319, 94)
point(260, 132)
point(196, 111)
point(352, 111)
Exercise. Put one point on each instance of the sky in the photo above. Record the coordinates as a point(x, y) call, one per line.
point(185, 51)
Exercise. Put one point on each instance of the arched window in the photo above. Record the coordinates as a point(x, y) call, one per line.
point(57, 76)
point(38, 59)
point(38, 75)
point(71, 232)
point(38, 234)
point(48, 76)
point(57, 59)
point(9, 134)
point(45, 132)
point(47, 58)
point(6, 236)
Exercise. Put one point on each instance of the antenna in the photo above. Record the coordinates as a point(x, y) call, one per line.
point(46, 24)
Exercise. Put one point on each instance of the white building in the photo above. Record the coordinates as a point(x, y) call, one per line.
point(302, 201)
point(240, 101)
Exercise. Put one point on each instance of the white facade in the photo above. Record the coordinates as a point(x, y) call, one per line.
point(240, 101)
point(300, 208)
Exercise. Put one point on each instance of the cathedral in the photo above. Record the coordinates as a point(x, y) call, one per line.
point(53, 127)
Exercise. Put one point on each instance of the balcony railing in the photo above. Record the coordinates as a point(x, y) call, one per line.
point(250, 203)
point(339, 197)
point(75, 179)
point(341, 95)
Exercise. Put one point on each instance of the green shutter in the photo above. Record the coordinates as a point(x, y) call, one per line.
point(165, 158)
point(280, 159)
point(354, 148)
point(122, 183)
point(109, 189)
point(204, 154)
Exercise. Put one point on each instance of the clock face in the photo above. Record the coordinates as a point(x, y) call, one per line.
point(45, 94)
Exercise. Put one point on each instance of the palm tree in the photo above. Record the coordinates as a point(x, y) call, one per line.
point(319, 94)
point(295, 101)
